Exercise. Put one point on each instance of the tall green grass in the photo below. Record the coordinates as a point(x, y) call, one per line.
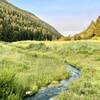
point(86, 56)
point(27, 67)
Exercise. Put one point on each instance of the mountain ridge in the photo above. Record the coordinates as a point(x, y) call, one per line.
point(24, 21)
point(92, 31)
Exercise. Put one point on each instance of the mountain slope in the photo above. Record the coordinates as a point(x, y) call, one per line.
point(89, 32)
point(17, 24)
point(97, 27)
point(92, 31)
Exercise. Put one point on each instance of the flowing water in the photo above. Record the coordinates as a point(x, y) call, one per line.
point(47, 93)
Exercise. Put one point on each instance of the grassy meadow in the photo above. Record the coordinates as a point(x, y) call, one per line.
point(86, 56)
point(30, 65)
point(27, 66)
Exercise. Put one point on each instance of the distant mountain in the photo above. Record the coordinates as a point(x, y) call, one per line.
point(17, 24)
point(92, 31)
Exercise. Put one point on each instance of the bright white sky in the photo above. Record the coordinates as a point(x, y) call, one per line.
point(67, 16)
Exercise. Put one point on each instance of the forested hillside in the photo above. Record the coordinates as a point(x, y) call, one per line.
point(91, 32)
point(17, 24)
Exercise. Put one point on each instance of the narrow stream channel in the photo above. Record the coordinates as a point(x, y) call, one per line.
point(47, 93)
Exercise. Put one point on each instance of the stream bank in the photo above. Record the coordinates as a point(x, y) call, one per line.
point(46, 93)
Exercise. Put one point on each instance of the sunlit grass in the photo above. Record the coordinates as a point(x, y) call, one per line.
point(31, 65)
point(86, 56)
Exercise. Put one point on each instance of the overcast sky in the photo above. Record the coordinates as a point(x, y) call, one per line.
point(67, 16)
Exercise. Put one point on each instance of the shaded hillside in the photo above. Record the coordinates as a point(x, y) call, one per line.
point(17, 24)
point(91, 32)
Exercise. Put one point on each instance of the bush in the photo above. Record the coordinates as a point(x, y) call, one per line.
point(6, 83)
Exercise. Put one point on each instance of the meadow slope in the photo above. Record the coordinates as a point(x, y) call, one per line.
point(29, 65)
point(86, 56)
